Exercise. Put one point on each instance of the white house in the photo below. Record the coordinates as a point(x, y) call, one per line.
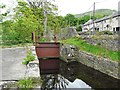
point(110, 23)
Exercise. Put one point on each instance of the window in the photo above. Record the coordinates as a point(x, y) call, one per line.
point(117, 28)
point(85, 28)
point(97, 29)
point(107, 25)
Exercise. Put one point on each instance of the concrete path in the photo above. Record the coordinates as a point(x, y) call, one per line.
point(12, 67)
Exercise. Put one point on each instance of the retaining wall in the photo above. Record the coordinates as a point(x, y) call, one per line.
point(72, 53)
point(110, 42)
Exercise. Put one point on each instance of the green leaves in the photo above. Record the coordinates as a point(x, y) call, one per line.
point(29, 17)
point(29, 57)
point(25, 84)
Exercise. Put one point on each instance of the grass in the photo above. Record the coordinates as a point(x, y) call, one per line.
point(28, 83)
point(96, 50)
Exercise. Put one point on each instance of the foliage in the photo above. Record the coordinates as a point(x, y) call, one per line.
point(29, 57)
point(43, 39)
point(84, 19)
point(26, 83)
point(99, 51)
point(69, 18)
point(29, 17)
point(72, 21)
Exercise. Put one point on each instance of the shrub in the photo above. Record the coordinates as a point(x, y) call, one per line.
point(26, 83)
point(29, 57)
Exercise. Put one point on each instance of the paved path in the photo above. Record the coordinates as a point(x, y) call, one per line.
point(12, 67)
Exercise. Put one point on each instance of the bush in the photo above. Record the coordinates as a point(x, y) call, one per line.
point(26, 83)
point(28, 58)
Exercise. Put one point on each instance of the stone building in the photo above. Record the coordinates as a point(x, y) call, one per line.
point(110, 23)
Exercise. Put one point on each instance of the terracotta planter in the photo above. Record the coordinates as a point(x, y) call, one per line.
point(48, 54)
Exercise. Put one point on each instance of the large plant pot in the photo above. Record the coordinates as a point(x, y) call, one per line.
point(48, 54)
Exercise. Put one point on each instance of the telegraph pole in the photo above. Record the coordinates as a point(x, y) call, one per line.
point(93, 18)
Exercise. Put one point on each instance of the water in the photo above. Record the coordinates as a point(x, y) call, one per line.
point(90, 76)
point(59, 82)
point(76, 75)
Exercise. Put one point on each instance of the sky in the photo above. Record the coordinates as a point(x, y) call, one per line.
point(81, 6)
point(75, 6)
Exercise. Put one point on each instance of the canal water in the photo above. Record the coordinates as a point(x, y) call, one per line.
point(75, 75)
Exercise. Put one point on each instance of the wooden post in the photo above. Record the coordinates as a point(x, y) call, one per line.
point(33, 38)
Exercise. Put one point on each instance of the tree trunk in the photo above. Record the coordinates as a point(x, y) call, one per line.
point(44, 2)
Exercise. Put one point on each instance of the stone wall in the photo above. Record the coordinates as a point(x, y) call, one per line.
point(72, 53)
point(110, 42)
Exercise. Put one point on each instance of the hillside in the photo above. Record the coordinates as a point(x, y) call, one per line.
point(99, 13)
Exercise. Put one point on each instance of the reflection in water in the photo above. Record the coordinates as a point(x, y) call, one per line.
point(58, 82)
point(53, 81)
point(77, 75)
point(92, 77)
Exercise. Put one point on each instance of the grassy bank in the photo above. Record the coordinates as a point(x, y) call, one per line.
point(93, 49)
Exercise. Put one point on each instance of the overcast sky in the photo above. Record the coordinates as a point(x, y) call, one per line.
point(81, 6)
point(75, 6)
